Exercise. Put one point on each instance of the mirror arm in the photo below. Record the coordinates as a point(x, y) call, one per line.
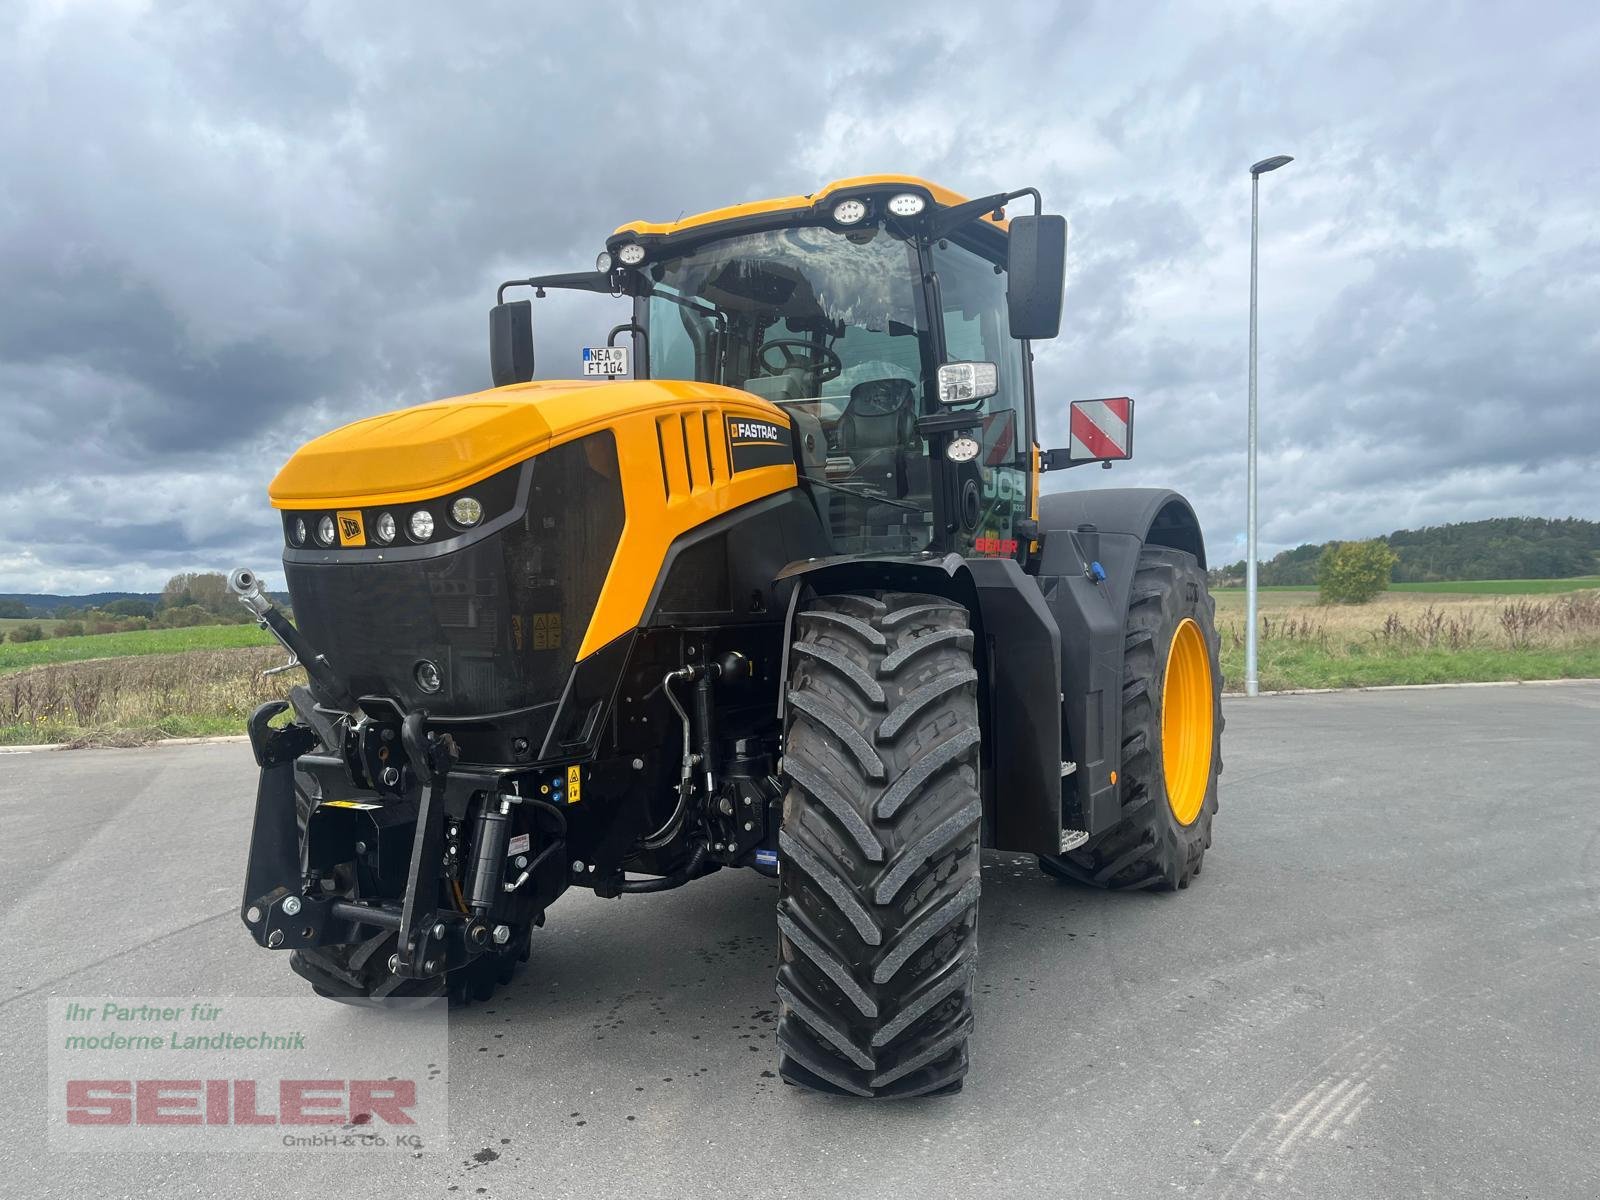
point(952, 219)
point(1062, 460)
point(580, 281)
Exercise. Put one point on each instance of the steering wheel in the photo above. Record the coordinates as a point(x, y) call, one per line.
point(799, 352)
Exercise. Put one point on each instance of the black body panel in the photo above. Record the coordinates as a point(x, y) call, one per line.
point(1019, 689)
point(501, 617)
point(727, 569)
point(1105, 527)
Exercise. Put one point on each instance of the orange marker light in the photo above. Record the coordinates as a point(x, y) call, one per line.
point(1113, 777)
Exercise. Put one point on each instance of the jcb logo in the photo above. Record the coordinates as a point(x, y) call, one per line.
point(351, 530)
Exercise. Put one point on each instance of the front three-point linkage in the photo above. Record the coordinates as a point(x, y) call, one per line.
point(283, 915)
point(432, 938)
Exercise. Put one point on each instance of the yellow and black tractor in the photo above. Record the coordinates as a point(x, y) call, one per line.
point(773, 585)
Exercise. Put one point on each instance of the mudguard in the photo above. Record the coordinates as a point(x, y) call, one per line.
point(1018, 649)
point(1091, 544)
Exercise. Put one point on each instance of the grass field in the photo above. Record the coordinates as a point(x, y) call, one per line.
point(139, 697)
point(185, 682)
point(48, 624)
point(1472, 587)
point(17, 655)
point(1413, 636)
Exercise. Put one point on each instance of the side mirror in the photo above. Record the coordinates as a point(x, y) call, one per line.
point(511, 342)
point(1036, 272)
point(1098, 431)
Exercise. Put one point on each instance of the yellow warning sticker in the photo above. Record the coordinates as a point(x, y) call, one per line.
point(547, 631)
point(349, 804)
point(574, 784)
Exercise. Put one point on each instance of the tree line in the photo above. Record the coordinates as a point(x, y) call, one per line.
point(189, 599)
point(1500, 548)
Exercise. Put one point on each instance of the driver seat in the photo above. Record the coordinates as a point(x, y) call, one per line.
point(880, 415)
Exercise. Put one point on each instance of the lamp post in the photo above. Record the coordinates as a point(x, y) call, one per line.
point(1251, 683)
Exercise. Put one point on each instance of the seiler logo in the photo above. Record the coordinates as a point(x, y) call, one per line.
point(235, 1102)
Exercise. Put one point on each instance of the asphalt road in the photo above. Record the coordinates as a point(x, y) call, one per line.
point(1387, 983)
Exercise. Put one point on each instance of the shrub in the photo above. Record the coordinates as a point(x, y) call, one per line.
point(184, 616)
point(69, 629)
point(28, 633)
point(1354, 572)
point(131, 607)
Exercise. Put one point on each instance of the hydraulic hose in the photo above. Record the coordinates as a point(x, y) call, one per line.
point(669, 830)
point(667, 882)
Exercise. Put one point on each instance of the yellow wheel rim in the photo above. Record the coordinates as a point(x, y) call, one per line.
point(1187, 722)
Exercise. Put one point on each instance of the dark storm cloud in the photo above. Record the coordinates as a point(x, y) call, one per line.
point(227, 227)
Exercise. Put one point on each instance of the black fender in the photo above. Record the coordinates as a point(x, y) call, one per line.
point(1017, 652)
point(1090, 553)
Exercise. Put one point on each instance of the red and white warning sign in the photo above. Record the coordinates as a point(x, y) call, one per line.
point(1101, 429)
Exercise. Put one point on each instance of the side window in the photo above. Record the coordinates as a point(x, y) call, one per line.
point(975, 328)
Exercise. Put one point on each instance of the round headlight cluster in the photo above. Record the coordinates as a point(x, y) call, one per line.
point(631, 254)
point(850, 212)
point(907, 204)
point(466, 512)
point(298, 533)
point(421, 525)
point(325, 531)
point(427, 676)
point(603, 262)
point(383, 528)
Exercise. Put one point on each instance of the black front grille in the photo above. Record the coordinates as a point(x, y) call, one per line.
point(501, 618)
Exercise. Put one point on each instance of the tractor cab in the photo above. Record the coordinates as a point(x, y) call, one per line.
point(889, 318)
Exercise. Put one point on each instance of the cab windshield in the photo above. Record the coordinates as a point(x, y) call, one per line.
point(792, 314)
point(834, 326)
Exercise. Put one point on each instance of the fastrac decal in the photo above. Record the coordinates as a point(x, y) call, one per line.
point(754, 443)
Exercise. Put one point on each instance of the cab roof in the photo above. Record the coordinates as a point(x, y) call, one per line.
point(781, 208)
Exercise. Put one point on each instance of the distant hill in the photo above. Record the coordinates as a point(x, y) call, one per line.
point(1501, 548)
point(44, 604)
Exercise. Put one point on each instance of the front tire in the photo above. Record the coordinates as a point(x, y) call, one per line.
point(1171, 735)
point(878, 895)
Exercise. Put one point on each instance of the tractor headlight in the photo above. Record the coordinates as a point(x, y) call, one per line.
point(421, 525)
point(427, 676)
point(907, 204)
point(325, 531)
point(850, 212)
point(466, 512)
point(602, 263)
point(297, 534)
point(631, 254)
point(383, 528)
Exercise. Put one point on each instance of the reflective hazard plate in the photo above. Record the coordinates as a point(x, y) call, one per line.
point(605, 360)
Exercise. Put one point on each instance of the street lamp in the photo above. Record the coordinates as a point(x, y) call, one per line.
point(1251, 683)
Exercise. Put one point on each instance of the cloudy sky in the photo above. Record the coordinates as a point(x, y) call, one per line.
point(226, 227)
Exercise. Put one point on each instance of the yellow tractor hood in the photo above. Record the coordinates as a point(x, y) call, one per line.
point(418, 453)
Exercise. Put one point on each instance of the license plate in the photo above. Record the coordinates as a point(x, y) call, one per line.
point(605, 360)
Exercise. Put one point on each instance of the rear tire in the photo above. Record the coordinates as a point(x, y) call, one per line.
point(1150, 846)
point(878, 894)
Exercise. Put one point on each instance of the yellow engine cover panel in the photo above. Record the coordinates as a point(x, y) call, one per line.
point(688, 452)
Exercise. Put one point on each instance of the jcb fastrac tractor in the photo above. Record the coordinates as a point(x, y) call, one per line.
point(787, 597)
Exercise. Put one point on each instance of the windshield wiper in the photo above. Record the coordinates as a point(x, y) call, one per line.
point(864, 495)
